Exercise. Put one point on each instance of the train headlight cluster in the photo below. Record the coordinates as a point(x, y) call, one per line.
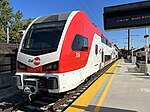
point(21, 66)
point(50, 66)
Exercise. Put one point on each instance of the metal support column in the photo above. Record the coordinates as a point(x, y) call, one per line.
point(146, 51)
point(132, 50)
point(128, 40)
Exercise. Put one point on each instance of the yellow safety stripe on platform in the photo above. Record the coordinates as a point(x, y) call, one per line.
point(100, 102)
point(81, 103)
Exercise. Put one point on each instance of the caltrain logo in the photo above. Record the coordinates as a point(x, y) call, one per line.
point(36, 61)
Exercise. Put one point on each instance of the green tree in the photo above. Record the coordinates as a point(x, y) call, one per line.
point(5, 17)
point(15, 26)
point(6, 13)
point(26, 22)
point(2, 35)
point(11, 20)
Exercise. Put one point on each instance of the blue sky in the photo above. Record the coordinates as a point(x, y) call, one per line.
point(93, 8)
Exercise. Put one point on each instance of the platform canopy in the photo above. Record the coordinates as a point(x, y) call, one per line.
point(126, 16)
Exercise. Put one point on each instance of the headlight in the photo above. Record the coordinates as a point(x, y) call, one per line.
point(52, 83)
point(51, 66)
point(21, 66)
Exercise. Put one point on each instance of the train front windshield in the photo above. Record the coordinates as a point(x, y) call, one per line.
point(43, 38)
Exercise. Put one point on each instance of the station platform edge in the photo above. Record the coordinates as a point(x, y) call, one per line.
point(81, 104)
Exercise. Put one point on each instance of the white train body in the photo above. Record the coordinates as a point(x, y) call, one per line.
point(58, 52)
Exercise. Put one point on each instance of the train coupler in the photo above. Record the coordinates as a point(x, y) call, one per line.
point(31, 87)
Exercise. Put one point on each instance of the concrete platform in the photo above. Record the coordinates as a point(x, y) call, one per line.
point(121, 89)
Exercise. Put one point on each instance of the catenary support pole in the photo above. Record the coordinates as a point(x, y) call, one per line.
point(146, 51)
point(132, 50)
point(128, 40)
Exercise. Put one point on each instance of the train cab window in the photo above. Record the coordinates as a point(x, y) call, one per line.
point(43, 38)
point(96, 49)
point(80, 43)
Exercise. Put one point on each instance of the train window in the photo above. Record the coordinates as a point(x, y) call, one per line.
point(80, 43)
point(106, 42)
point(103, 40)
point(96, 49)
point(85, 46)
point(107, 57)
point(109, 44)
point(43, 38)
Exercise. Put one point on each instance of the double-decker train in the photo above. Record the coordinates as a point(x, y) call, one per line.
point(60, 51)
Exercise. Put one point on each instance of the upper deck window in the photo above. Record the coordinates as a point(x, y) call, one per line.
point(105, 41)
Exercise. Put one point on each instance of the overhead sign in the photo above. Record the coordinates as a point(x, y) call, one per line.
point(127, 16)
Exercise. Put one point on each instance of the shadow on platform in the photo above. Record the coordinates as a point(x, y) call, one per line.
point(91, 108)
point(137, 74)
point(144, 77)
point(109, 73)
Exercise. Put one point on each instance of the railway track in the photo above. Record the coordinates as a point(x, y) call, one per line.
point(47, 102)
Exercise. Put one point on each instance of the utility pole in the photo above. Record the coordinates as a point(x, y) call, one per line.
point(132, 50)
point(128, 40)
point(146, 50)
point(7, 35)
point(132, 47)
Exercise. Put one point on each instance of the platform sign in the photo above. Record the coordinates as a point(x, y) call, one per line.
point(127, 16)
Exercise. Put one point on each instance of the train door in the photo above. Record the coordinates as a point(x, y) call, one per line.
point(97, 47)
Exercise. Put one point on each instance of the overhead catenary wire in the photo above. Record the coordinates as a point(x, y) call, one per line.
point(89, 12)
point(93, 12)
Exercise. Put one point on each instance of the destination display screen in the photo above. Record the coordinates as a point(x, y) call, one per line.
point(125, 19)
